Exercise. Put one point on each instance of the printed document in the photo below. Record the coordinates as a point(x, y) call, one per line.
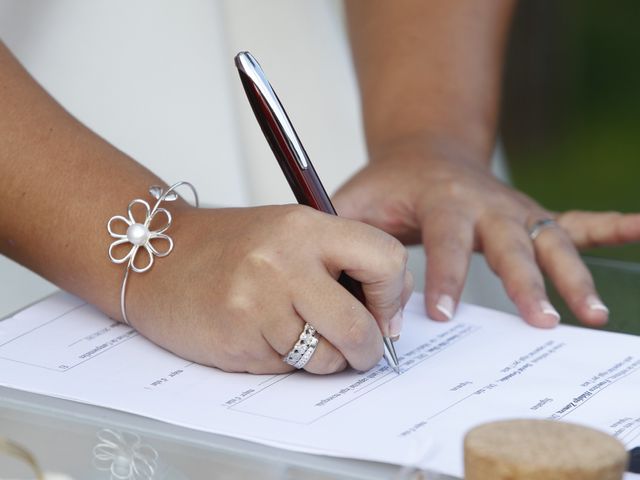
point(482, 366)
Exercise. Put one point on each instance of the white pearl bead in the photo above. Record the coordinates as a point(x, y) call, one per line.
point(138, 234)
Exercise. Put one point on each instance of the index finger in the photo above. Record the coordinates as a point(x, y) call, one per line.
point(372, 257)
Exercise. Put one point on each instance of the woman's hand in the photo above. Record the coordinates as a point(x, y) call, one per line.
point(240, 284)
point(454, 206)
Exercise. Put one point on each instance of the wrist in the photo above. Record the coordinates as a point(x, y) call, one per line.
point(144, 237)
point(428, 145)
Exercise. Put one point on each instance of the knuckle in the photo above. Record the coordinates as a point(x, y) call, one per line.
point(239, 306)
point(501, 263)
point(454, 188)
point(569, 219)
point(564, 239)
point(248, 355)
point(296, 217)
point(521, 292)
point(617, 226)
point(395, 253)
point(358, 336)
point(238, 348)
point(338, 364)
point(371, 360)
point(235, 355)
point(267, 263)
point(451, 244)
point(262, 259)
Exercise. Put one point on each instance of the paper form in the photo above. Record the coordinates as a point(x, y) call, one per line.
point(482, 366)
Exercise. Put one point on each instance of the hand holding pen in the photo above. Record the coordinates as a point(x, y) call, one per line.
point(308, 190)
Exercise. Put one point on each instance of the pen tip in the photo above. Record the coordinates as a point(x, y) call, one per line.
point(390, 355)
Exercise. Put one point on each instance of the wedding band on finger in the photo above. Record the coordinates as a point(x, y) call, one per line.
point(538, 226)
point(304, 348)
point(307, 356)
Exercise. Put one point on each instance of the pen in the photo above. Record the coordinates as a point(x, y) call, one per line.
point(293, 160)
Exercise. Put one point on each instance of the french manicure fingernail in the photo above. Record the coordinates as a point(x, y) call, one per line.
point(595, 303)
point(445, 305)
point(548, 309)
point(395, 325)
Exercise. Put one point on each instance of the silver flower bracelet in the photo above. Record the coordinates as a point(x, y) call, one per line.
point(139, 235)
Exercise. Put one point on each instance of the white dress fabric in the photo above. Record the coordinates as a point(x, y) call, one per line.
point(156, 79)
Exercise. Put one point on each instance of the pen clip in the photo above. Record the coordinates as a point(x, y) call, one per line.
point(248, 65)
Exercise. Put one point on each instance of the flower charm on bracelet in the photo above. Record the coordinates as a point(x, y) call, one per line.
point(139, 234)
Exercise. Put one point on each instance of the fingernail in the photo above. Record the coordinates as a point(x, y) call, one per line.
point(395, 324)
point(548, 309)
point(595, 303)
point(445, 305)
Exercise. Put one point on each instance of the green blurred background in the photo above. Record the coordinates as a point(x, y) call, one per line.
point(571, 109)
point(570, 122)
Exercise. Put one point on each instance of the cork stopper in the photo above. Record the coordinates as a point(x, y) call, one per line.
point(541, 450)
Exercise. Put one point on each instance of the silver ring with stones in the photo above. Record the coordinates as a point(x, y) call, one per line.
point(304, 348)
point(538, 226)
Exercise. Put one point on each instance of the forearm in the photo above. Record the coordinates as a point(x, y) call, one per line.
point(430, 74)
point(59, 185)
point(429, 71)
